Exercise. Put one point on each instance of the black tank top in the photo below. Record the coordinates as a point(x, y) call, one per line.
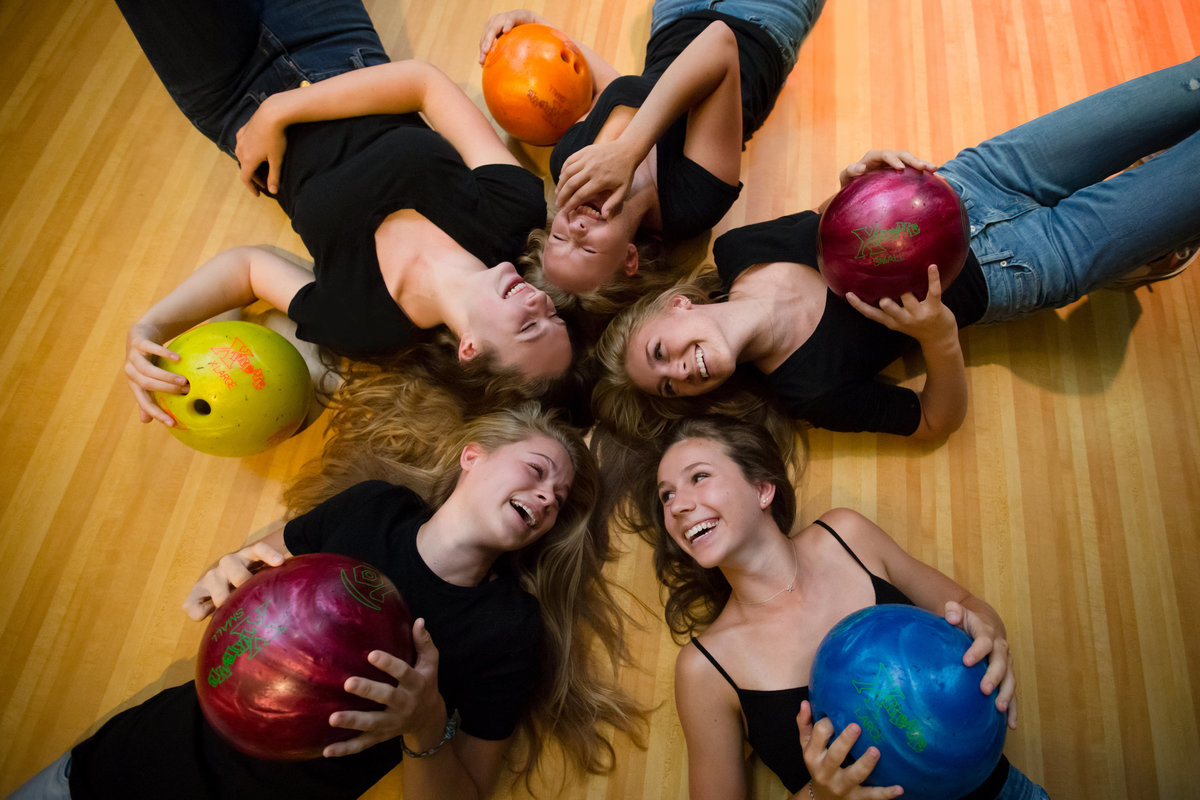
point(771, 713)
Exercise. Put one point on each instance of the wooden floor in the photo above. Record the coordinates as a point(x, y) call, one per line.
point(1070, 499)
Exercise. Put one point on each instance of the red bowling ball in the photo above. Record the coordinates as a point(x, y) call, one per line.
point(276, 654)
point(881, 232)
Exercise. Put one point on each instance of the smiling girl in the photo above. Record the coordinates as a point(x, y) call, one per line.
point(396, 182)
point(494, 550)
point(719, 513)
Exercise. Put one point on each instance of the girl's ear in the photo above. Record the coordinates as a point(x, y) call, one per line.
point(766, 493)
point(679, 301)
point(631, 260)
point(466, 347)
point(471, 456)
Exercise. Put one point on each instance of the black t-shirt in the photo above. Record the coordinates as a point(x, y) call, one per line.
point(489, 646)
point(691, 198)
point(342, 178)
point(832, 379)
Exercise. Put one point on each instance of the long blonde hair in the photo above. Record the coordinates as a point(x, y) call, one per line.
point(562, 569)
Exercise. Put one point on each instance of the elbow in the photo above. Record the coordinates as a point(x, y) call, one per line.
point(938, 429)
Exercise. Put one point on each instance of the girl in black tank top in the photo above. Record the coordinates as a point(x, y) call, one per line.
point(716, 515)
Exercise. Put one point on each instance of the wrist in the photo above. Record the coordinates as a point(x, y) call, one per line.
point(281, 109)
point(424, 744)
point(944, 341)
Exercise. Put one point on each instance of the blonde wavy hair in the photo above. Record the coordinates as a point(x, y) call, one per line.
point(577, 692)
point(628, 412)
point(654, 274)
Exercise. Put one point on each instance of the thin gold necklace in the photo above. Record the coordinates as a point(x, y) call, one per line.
point(791, 585)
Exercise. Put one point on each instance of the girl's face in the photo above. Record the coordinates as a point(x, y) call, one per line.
point(679, 353)
point(516, 490)
point(518, 322)
point(584, 251)
point(709, 507)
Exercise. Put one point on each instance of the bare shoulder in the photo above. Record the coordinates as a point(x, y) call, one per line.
point(849, 524)
point(868, 541)
point(697, 676)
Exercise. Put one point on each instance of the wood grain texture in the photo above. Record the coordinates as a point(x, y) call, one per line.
point(1070, 499)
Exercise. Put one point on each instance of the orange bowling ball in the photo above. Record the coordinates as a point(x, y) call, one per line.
point(536, 83)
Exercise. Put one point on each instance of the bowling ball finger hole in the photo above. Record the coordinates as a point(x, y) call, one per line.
point(202, 407)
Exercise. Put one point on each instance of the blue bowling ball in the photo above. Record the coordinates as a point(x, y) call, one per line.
point(897, 671)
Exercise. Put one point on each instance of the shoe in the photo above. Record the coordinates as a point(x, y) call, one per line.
point(1160, 269)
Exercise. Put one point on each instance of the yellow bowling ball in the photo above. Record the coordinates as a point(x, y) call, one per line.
point(249, 388)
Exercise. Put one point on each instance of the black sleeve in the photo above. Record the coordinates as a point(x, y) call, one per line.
point(516, 201)
point(791, 238)
point(865, 406)
point(309, 532)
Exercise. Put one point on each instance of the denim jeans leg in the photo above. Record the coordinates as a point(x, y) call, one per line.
point(324, 38)
point(1048, 227)
point(1059, 153)
point(1019, 787)
point(220, 58)
point(786, 21)
point(200, 51)
point(50, 784)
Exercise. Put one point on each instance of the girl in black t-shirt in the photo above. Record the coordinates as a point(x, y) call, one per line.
point(412, 222)
point(719, 513)
point(658, 156)
point(496, 552)
point(1054, 210)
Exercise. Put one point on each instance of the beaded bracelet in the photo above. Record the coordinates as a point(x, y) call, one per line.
point(810, 791)
point(447, 735)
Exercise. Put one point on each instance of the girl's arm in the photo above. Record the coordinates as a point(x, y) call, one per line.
point(712, 728)
point(398, 87)
point(462, 767)
point(934, 591)
point(944, 396)
point(229, 280)
point(705, 81)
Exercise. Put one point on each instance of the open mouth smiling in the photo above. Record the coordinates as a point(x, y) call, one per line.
point(701, 367)
point(516, 288)
point(590, 210)
point(699, 529)
point(525, 511)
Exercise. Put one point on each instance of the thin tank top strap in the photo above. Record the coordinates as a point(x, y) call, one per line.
point(713, 661)
point(845, 546)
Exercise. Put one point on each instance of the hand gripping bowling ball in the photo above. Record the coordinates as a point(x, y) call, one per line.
point(897, 671)
point(536, 83)
point(249, 388)
point(881, 232)
point(277, 653)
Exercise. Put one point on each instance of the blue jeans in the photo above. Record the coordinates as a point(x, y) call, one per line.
point(49, 784)
point(1019, 787)
point(219, 59)
point(1046, 225)
point(786, 21)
